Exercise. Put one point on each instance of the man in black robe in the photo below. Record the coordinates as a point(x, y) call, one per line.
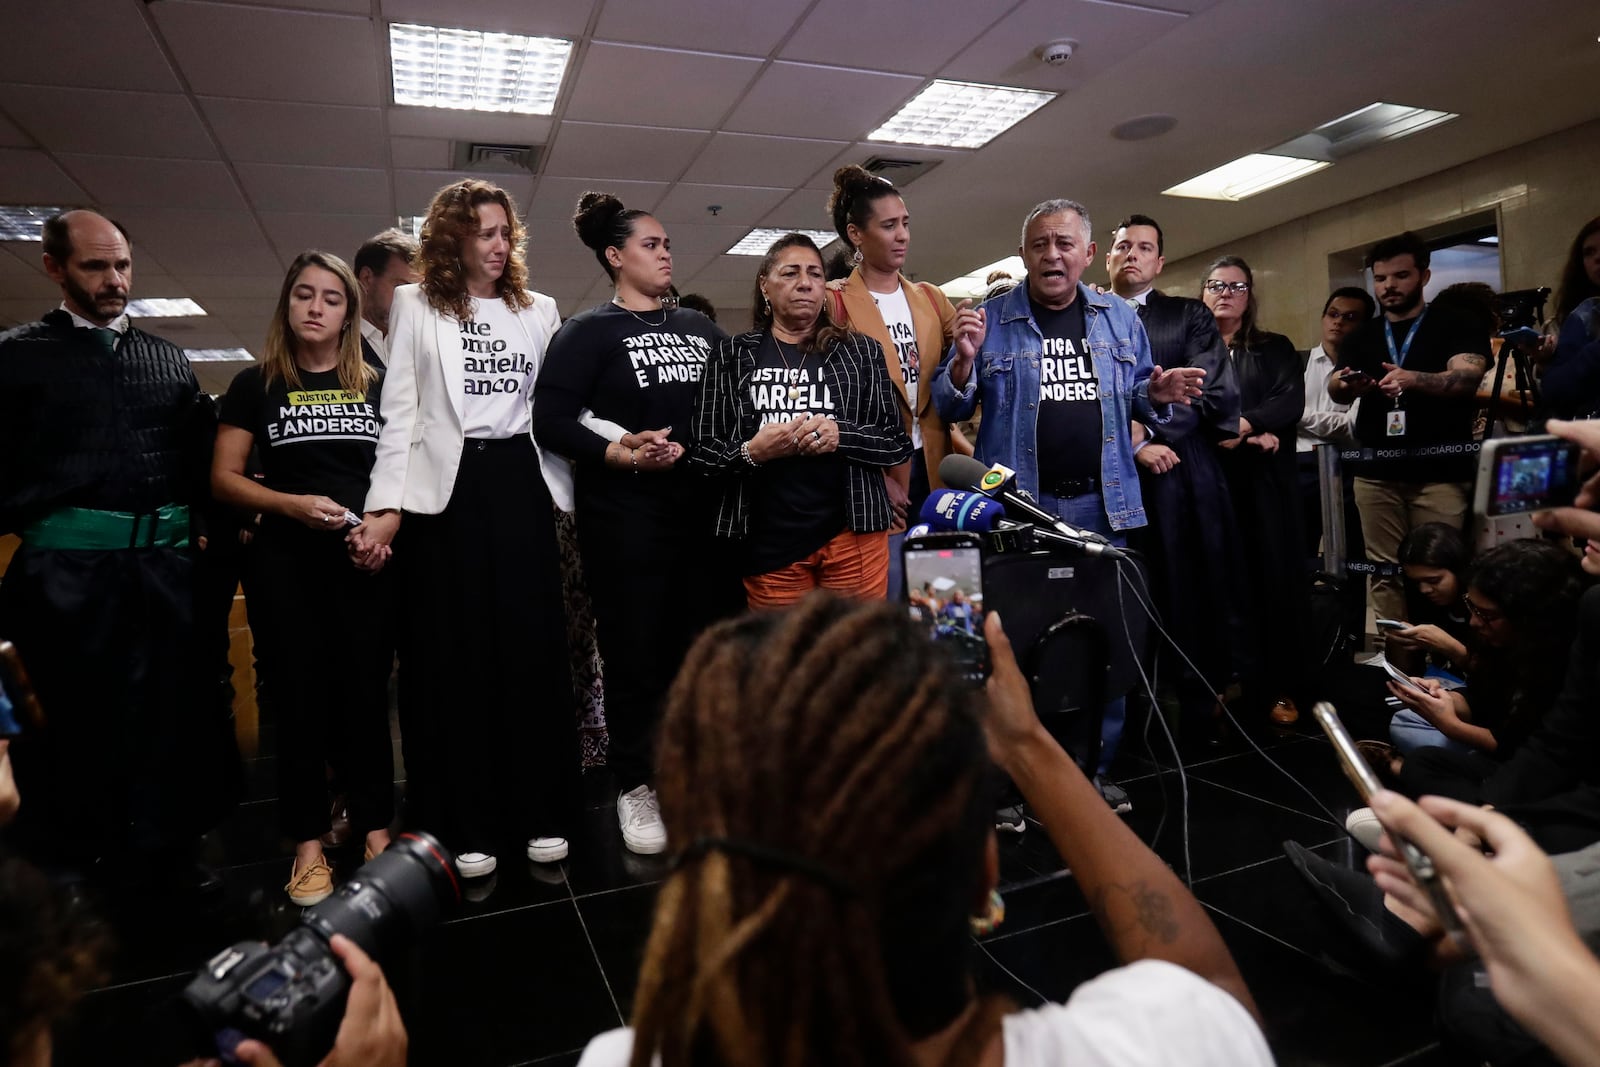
point(1191, 543)
point(107, 441)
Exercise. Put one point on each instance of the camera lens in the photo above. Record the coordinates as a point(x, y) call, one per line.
point(393, 898)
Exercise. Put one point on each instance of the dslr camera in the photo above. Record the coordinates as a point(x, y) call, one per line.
point(291, 995)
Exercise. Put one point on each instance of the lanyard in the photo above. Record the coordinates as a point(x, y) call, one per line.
point(1399, 358)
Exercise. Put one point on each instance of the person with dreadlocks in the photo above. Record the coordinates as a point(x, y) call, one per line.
point(836, 848)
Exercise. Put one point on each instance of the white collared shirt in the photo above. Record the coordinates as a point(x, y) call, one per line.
point(1323, 421)
point(375, 337)
point(1142, 297)
point(119, 324)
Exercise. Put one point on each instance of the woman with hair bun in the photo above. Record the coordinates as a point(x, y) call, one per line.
point(644, 521)
point(912, 321)
point(485, 672)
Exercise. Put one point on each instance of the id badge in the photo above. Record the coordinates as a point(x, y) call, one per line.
point(1397, 423)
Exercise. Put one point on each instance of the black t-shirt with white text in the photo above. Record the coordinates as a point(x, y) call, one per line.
point(1069, 425)
point(798, 503)
point(317, 439)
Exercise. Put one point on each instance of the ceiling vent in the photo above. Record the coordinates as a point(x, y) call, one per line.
point(900, 171)
point(497, 158)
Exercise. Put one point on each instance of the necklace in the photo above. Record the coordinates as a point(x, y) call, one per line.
point(788, 372)
point(640, 317)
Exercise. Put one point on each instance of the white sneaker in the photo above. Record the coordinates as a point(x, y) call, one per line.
point(547, 849)
point(1365, 828)
point(640, 817)
point(475, 864)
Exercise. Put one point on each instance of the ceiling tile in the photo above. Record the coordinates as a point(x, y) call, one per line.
point(422, 153)
point(741, 205)
point(1106, 35)
point(878, 37)
point(87, 44)
point(560, 18)
point(638, 152)
point(349, 7)
point(294, 232)
point(694, 239)
point(123, 181)
point(109, 122)
point(28, 176)
point(801, 100)
point(292, 55)
point(37, 287)
point(735, 26)
point(312, 134)
point(193, 243)
point(11, 135)
point(25, 308)
point(19, 259)
point(452, 125)
point(630, 84)
point(805, 209)
point(557, 198)
point(414, 189)
point(325, 190)
point(562, 287)
point(743, 159)
point(215, 378)
point(213, 287)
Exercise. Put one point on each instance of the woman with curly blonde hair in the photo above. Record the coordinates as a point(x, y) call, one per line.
point(458, 468)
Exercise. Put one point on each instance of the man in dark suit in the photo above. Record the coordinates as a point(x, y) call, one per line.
point(1192, 541)
point(382, 263)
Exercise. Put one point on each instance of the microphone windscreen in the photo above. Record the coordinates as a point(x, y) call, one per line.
point(961, 472)
point(953, 509)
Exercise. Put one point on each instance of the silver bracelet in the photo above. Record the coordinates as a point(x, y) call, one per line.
point(744, 454)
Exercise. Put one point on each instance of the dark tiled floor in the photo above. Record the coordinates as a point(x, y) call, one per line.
point(527, 974)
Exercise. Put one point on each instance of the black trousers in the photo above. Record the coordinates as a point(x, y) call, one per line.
point(484, 672)
point(323, 657)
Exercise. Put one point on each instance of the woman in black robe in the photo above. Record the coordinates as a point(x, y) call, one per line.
point(1192, 542)
point(1259, 465)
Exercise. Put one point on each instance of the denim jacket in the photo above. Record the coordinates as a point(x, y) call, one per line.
point(1005, 378)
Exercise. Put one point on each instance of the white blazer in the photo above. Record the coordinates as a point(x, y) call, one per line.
point(419, 448)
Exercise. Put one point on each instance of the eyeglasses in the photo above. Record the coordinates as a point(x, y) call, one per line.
point(1483, 615)
point(1343, 316)
point(1227, 287)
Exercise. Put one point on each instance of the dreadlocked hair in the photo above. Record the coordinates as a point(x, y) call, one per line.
point(836, 734)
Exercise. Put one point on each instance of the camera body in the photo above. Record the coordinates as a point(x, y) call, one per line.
point(291, 995)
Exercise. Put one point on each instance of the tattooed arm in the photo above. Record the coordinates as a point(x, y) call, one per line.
point(1461, 377)
point(1142, 908)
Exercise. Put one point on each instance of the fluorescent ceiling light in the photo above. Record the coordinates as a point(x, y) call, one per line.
point(158, 307)
point(960, 114)
point(973, 284)
point(411, 224)
point(756, 242)
point(1246, 176)
point(23, 222)
point(1379, 122)
point(470, 70)
point(218, 355)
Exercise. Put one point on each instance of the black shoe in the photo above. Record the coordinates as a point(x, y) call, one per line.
point(1356, 904)
point(1115, 795)
point(1010, 820)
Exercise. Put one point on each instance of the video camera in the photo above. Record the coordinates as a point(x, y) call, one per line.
point(1521, 309)
point(291, 995)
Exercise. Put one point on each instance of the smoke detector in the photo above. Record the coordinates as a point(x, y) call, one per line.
point(1056, 53)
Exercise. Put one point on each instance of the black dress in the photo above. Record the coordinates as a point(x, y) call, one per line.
point(1192, 541)
point(1263, 488)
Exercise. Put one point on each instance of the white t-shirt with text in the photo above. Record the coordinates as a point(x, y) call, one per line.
point(498, 372)
point(1147, 1014)
point(896, 313)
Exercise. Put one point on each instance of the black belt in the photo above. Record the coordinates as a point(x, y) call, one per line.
point(1069, 487)
point(484, 444)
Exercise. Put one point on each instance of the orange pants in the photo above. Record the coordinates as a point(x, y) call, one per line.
point(853, 564)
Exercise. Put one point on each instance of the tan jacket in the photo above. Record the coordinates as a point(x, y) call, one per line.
point(932, 319)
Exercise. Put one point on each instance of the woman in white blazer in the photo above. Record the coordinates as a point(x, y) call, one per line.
point(485, 675)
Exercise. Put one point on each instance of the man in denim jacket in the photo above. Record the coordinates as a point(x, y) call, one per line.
point(1061, 373)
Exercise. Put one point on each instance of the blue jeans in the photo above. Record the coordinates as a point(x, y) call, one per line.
point(1088, 512)
point(1409, 731)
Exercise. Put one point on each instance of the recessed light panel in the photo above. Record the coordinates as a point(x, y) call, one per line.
point(157, 307)
point(218, 355)
point(960, 114)
point(756, 242)
point(23, 222)
point(468, 70)
point(1245, 177)
point(1378, 122)
point(411, 224)
point(974, 284)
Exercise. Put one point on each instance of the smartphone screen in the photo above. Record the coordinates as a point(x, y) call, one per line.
point(18, 705)
point(944, 589)
point(1401, 677)
point(1531, 473)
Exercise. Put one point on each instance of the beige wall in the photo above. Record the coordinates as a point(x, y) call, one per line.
point(1542, 191)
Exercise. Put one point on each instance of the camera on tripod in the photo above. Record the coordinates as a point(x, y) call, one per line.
point(291, 995)
point(1521, 309)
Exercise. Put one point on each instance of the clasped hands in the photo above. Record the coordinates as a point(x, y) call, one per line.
point(804, 435)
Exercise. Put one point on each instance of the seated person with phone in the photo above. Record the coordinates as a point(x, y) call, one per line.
point(1434, 561)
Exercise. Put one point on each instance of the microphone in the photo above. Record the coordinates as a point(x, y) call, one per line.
point(951, 509)
point(997, 482)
